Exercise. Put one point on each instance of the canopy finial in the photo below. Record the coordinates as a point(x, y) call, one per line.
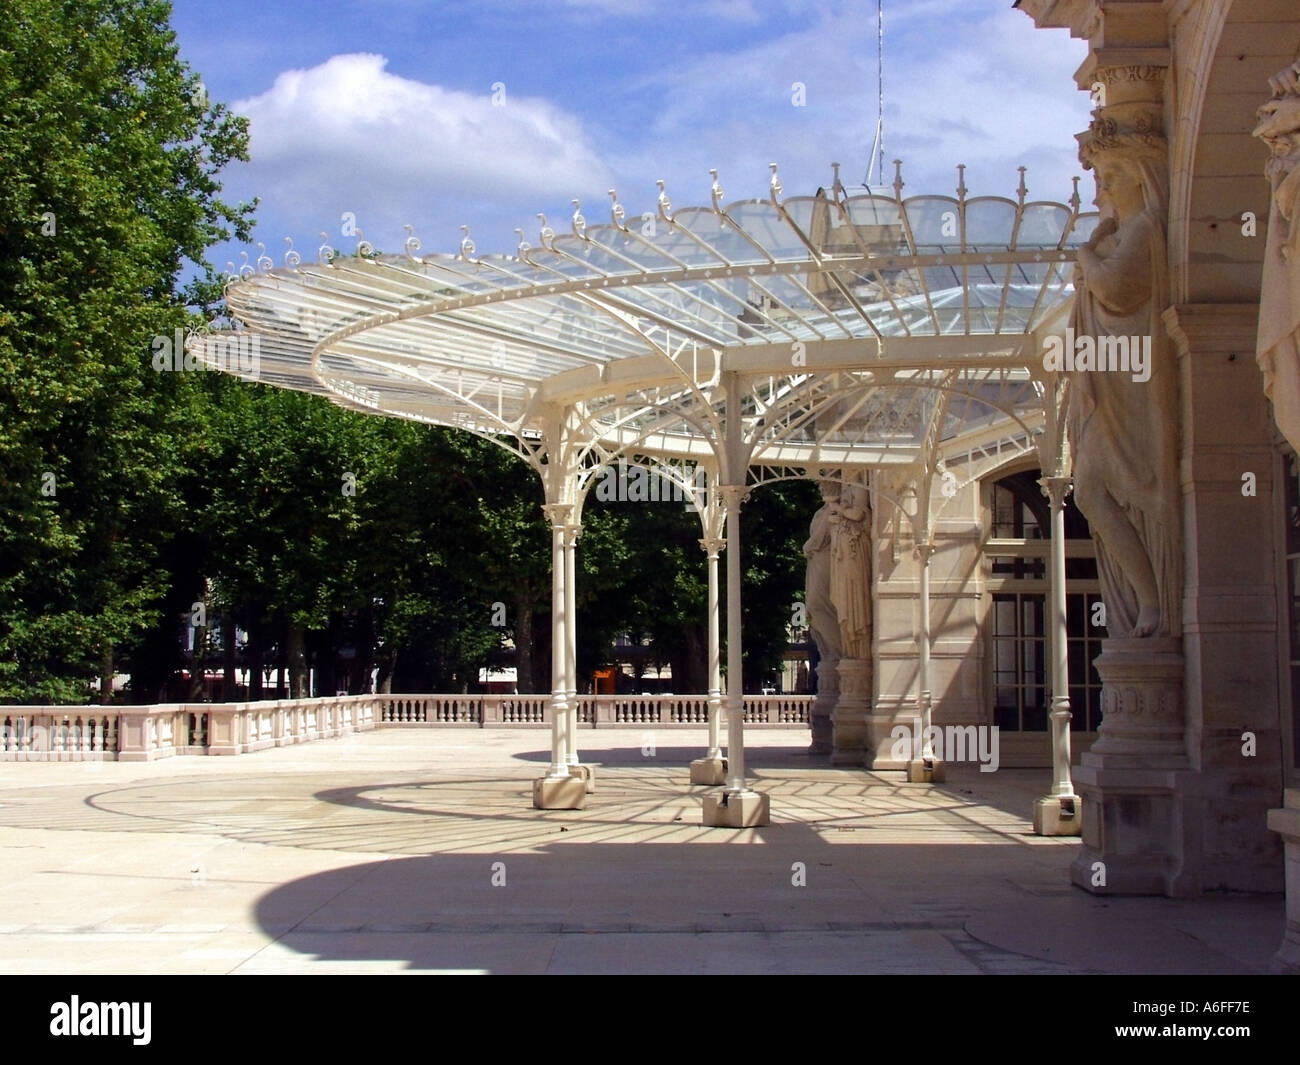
point(664, 205)
point(716, 192)
point(837, 186)
point(412, 243)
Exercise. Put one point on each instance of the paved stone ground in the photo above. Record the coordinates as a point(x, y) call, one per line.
point(377, 854)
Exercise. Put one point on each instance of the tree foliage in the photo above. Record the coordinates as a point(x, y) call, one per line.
point(134, 501)
point(109, 153)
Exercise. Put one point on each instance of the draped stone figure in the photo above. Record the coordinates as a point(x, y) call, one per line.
point(822, 620)
point(851, 570)
point(1278, 344)
point(1124, 430)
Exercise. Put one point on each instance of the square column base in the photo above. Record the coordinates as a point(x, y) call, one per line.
point(736, 809)
point(921, 772)
point(559, 793)
point(587, 774)
point(709, 771)
point(1137, 833)
point(1058, 815)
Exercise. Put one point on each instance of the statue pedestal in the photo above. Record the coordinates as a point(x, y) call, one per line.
point(823, 706)
point(1137, 829)
point(852, 707)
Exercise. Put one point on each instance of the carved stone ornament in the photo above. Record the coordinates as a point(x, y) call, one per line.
point(1110, 75)
point(823, 623)
point(851, 570)
point(1277, 348)
point(1123, 427)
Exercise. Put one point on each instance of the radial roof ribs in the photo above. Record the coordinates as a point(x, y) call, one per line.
point(846, 316)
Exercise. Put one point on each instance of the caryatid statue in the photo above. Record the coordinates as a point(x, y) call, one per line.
point(1278, 345)
point(822, 620)
point(1124, 426)
point(851, 570)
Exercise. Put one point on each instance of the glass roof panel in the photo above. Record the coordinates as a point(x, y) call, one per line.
point(482, 365)
point(935, 224)
point(990, 223)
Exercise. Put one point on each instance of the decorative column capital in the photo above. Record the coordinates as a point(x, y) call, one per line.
point(558, 514)
point(1056, 487)
point(923, 549)
point(733, 495)
point(713, 545)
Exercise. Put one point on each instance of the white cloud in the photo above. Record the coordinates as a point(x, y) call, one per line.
point(961, 86)
point(964, 83)
point(347, 135)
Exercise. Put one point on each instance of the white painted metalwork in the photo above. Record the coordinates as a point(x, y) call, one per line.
point(760, 339)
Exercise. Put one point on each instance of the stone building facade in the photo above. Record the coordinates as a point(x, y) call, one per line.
point(1183, 552)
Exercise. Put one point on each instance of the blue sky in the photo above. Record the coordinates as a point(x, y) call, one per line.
point(485, 113)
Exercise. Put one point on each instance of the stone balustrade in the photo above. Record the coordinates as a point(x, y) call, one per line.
point(594, 711)
point(147, 733)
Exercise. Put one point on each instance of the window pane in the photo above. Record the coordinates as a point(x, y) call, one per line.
point(1078, 709)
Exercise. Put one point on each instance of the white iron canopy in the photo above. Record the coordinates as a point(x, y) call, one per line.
point(846, 316)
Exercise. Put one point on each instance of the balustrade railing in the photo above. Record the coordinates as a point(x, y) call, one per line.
point(146, 733)
point(47, 734)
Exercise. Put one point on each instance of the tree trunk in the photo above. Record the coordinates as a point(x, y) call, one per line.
point(296, 655)
point(198, 668)
point(387, 664)
point(106, 674)
point(690, 662)
point(228, 677)
point(281, 689)
point(524, 646)
point(365, 660)
point(256, 662)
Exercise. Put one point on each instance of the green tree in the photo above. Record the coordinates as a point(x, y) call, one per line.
point(109, 152)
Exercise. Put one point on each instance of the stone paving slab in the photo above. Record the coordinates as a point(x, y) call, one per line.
point(419, 851)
